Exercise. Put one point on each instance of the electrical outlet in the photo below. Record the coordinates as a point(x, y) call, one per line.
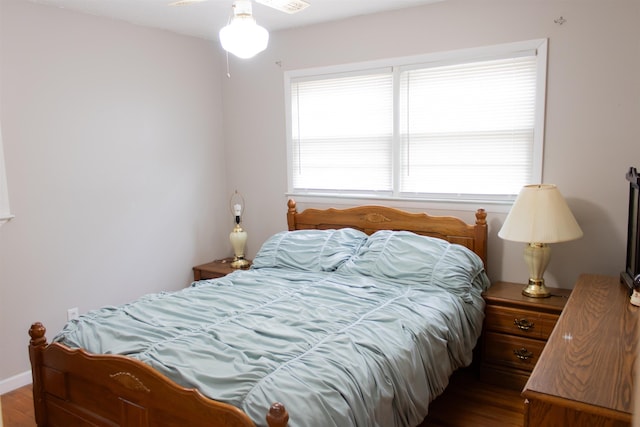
point(72, 313)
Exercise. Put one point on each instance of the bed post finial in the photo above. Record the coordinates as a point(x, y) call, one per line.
point(481, 217)
point(291, 214)
point(36, 332)
point(277, 415)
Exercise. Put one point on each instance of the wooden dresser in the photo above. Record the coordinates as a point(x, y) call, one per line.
point(586, 372)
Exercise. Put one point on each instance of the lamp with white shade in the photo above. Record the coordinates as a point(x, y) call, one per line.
point(539, 216)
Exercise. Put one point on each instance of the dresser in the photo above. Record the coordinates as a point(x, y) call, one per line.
point(586, 372)
point(516, 329)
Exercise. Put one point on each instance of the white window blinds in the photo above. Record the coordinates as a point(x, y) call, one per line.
point(342, 129)
point(466, 127)
point(463, 125)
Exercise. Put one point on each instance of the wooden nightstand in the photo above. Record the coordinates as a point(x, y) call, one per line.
point(516, 328)
point(213, 269)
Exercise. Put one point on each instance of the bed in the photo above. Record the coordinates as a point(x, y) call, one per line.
point(332, 320)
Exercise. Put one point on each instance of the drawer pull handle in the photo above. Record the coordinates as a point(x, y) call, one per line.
point(523, 354)
point(523, 324)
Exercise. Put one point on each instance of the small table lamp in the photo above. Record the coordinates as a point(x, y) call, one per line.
point(540, 215)
point(238, 236)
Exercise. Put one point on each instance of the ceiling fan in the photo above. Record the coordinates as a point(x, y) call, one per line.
point(287, 6)
point(243, 37)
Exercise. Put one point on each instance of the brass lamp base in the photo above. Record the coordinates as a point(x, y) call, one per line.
point(240, 263)
point(536, 289)
point(536, 255)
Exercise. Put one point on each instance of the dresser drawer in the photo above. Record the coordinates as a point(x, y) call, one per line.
point(210, 275)
point(519, 322)
point(512, 351)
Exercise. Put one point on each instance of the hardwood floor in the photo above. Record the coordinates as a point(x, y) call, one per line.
point(466, 402)
point(17, 408)
point(469, 402)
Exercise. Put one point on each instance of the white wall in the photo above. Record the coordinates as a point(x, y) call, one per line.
point(115, 163)
point(593, 111)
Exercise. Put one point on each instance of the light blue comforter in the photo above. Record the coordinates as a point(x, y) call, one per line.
point(338, 348)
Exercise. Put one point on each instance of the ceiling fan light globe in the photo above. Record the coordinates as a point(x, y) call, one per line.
point(243, 37)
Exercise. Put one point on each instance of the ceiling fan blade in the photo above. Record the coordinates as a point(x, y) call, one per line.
point(185, 2)
point(287, 6)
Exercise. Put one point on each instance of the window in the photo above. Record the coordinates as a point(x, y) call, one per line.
point(462, 125)
point(5, 214)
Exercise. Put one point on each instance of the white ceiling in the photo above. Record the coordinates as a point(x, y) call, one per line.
point(206, 18)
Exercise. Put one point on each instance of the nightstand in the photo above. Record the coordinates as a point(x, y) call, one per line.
point(516, 328)
point(213, 269)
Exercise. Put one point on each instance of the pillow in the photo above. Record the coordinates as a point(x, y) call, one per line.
point(412, 258)
point(311, 250)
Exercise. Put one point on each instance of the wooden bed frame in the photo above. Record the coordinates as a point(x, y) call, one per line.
point(370, 219)
point(72, 387)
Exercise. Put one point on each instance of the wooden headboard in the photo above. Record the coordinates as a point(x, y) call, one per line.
point(370, 219)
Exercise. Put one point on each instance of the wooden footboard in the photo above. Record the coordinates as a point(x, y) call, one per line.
point(74, 388)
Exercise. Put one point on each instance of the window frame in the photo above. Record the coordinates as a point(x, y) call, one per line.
point(539, 46)
point(5, 211)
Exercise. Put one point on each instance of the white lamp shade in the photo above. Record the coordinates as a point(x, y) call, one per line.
point(540, 215)
point(243, 37)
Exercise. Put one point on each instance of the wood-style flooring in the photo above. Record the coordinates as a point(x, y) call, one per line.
point(466, 402)
point(17, 408)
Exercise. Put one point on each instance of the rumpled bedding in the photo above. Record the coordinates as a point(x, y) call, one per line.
point(343, 328)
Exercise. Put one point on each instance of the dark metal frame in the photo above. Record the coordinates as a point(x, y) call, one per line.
point(632, 266)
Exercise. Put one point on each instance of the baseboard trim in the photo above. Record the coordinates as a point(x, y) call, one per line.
point(15, 382)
